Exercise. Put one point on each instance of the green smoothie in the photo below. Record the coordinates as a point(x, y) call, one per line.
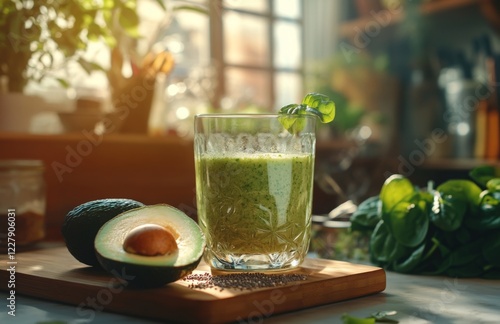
point(255, 203)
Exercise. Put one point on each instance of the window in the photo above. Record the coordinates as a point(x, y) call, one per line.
point(256, 47)
point(253, 48)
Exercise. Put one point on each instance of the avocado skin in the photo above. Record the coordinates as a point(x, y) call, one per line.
point(144, 276)
point(83, 222)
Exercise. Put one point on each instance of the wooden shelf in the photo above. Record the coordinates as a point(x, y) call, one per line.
point(437, 6)
point(334, 145)
point(352, 28)
point(457, 164)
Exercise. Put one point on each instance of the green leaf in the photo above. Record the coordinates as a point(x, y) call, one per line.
point(443, 262)
point(366, 215)
point(394, 190)
point(94, 32)
point(321, 103)
point(88, 66)
point(463, 235)
point(108, 4)
point(378, 317)
point(469, 270)
point(291, 122)
point(129, 21)
point(313, 104)
point(448, 211)
point(492, 273)
point(408, 221)
point(381, 316)
point(383, 246)
point(64, 83)
point(411, 262)
point(110, 40)
point(493, 185)
point(491, 248)
point(348, 319)
point(488, 216)
point(481, 175)
point(466, 253)
point(466, 188)
point(85, 5)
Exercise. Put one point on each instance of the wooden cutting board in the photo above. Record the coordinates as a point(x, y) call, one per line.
point(53, 274)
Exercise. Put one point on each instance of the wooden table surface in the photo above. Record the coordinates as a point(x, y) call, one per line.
point(417, 299)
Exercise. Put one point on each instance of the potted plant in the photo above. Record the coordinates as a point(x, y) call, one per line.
point(34, 32)
point(35, 36)
point(38, 36)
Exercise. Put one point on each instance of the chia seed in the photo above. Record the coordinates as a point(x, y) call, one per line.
point(241, 281)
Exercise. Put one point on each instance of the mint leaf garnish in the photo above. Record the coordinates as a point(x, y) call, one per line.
point(314, 104)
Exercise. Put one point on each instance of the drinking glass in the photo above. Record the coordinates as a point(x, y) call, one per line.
point(254, 183)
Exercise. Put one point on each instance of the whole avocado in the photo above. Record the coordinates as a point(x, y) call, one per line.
point(82, 223)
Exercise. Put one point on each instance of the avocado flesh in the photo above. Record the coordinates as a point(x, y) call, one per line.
point(83, 222)
point(150, 271)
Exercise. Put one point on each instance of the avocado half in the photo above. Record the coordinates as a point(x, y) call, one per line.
point(82, 223)
point(143, 271)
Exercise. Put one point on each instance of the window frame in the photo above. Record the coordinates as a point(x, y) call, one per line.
point(217, 42)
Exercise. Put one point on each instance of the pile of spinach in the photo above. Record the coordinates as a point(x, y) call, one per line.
point(453, 229)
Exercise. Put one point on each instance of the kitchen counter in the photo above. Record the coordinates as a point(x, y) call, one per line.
point(417, 299)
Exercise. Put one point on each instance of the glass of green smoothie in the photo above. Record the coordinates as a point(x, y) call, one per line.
point(254, 182)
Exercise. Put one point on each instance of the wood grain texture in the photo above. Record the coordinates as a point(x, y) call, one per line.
point(53, 274)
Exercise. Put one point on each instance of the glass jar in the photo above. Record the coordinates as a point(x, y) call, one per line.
point(22, 202)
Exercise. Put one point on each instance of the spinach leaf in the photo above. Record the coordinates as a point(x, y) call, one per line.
point(491, 248)
point(348, 319)
point(466, 188)
point(383, 247)
point(408, 221)
point(448, 210)
point(453, 230)
point(492, 273)
point(378, 317)
point(438, 267)
point(469, 270)
point(313, 104)
point(394, 190)
point(481, 175)
point(463, 235)
point(367, 215)
point(493, 186)
point(411, 262)
point(381, 316)
point(465, 254)
point(488, 216)
point(435, 260)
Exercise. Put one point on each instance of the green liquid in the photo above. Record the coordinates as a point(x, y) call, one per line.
point(255, 204)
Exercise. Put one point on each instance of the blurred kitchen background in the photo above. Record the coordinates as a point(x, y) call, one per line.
point(104, 92)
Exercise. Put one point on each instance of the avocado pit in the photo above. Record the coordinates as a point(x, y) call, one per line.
point(150, 240)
